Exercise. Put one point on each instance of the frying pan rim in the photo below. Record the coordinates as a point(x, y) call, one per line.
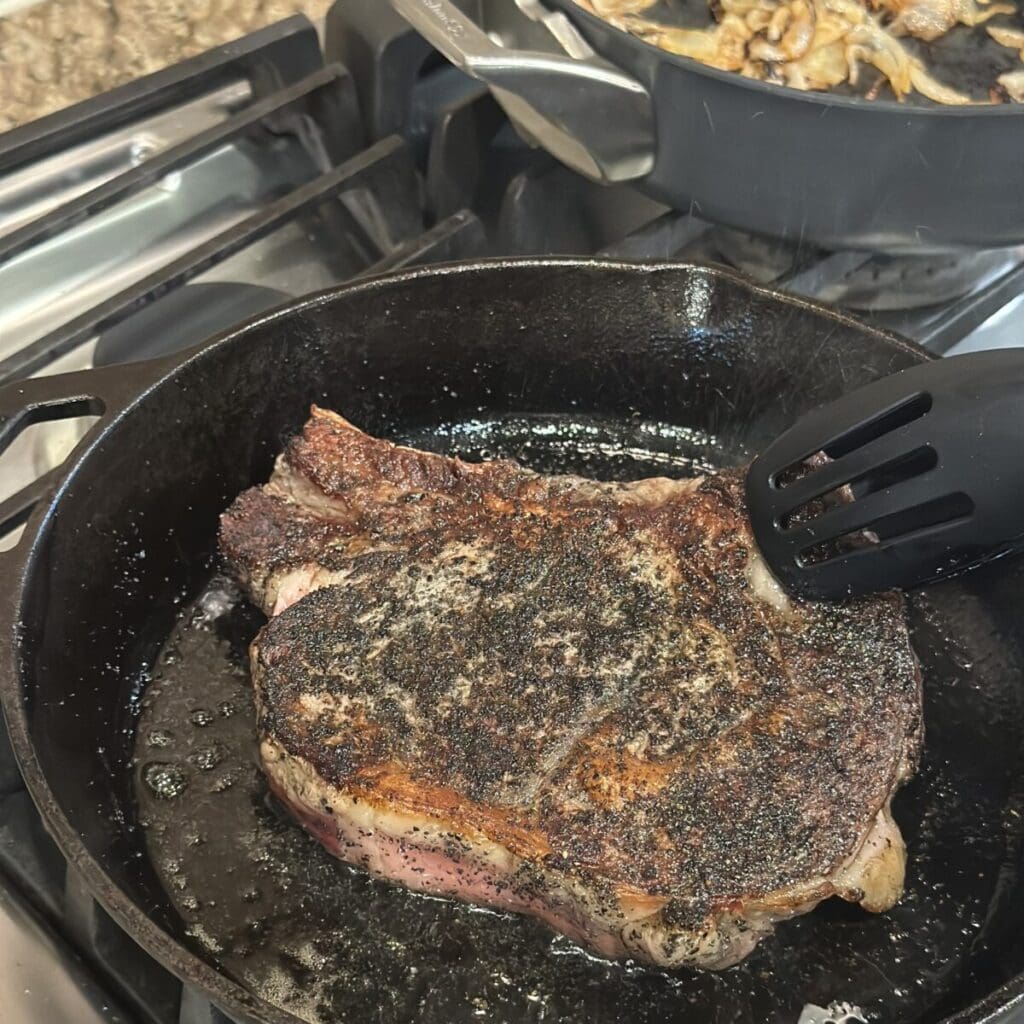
point(815, 98)
point(189, 967)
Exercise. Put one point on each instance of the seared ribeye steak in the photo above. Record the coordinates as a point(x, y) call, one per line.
point(588, 702)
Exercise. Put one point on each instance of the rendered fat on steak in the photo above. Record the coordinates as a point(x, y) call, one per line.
point(584, 701)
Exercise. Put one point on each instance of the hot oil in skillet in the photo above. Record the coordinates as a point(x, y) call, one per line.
point(266, 903)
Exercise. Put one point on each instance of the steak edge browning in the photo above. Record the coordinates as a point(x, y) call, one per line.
point(586, 702)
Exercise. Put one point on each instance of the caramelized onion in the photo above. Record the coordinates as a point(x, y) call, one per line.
point(818, 44)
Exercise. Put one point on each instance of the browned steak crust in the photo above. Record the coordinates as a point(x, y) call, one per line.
point(583, 674)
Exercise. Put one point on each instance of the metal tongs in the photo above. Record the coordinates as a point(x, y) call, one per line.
point(558, 93)
point(911, 479)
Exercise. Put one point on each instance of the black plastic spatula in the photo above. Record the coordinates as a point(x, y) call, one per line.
point(910, 479)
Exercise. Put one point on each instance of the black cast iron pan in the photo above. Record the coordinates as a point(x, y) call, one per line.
point(122, 650)
point(832, 168)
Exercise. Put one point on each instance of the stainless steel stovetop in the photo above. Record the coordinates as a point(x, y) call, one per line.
point(150, 218)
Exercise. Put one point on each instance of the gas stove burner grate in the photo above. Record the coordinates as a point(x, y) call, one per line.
point(866, 282)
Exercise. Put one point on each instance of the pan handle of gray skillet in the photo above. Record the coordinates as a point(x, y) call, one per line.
point(104, 393)
point(550, 83)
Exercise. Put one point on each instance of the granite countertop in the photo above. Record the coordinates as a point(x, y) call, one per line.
point(58, 52)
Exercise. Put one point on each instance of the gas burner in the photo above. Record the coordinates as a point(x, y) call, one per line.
point(865, 282)
point(766, 260)
point(882, 283)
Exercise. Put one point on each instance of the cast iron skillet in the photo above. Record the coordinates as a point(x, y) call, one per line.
point(613, 368)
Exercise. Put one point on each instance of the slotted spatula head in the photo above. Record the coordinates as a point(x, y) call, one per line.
point(910, 479)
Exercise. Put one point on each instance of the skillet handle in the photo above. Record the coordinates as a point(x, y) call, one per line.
point(585, 111)
point(104, 392)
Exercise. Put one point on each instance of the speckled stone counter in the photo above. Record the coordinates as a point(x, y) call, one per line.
point(62, 51)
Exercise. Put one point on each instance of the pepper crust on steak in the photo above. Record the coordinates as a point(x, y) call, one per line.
point(589, 702)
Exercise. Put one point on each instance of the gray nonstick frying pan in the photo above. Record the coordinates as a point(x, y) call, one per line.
point(834, 168)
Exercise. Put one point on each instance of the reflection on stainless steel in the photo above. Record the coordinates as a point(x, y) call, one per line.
point(30, 192)
point(37, 450)
point(1001, 330)
point(40, 979)
point(55, 281)
point(41, 448)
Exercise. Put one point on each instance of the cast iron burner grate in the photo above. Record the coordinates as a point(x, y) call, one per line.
point(146, 219)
